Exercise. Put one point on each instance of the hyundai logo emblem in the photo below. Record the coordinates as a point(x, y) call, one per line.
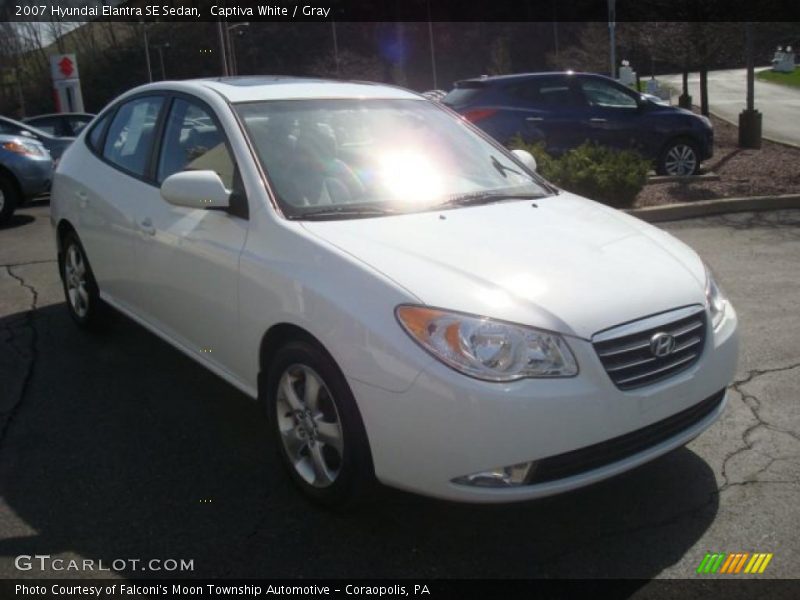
point(662, 344)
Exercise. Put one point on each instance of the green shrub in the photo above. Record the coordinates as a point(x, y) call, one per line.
point(613, 177)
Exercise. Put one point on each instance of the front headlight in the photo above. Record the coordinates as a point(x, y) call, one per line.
point(715, 299)
point(25, 148)
point(487, 349)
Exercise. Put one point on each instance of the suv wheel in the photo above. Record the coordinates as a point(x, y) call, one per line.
point(320, 436)
point(9, 199)
point(679, 157)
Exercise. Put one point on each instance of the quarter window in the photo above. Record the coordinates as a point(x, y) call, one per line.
point(96, 134)
point(130, 137)
point(192, 142)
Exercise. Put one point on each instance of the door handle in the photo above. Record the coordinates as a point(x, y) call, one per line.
point(83, 199)
point(146, 225)
point(534, 119)
point(598, 120)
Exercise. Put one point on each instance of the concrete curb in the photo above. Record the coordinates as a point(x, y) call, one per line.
point(687, 179)
point(703, 208)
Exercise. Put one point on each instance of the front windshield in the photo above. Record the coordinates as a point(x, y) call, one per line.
point(351, 157)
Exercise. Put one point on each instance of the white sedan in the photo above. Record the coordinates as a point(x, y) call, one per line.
point(411, 302)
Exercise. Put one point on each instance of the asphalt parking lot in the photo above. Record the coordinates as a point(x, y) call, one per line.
point(118, 446)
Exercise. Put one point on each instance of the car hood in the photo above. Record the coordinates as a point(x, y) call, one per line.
point(566, 264)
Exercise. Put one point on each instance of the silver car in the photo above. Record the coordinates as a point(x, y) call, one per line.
point(26, 169)
point(54, 144)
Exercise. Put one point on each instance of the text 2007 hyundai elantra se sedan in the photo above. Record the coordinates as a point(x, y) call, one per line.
point(411, 301)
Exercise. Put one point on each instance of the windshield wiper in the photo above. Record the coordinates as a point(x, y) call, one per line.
point(343, 212)
point(487, 198)
point(503, 169)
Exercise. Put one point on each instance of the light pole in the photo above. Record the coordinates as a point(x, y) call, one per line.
point(223, 53)
point(433, 48)
point(231, 47)
point(612, 24)
point(160, 49)
point(147, 53)
point(750, 118)
point(335, 47)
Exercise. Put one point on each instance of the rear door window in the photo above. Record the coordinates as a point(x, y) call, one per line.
point(546, 92)
point(130, 137)
point(604, 94)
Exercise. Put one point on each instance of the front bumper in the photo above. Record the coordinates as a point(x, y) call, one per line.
point(707, 149)
point(447, 425)
point(34, 175)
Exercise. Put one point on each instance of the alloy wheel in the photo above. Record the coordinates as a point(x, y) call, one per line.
point(309, 426)
point(75, 280)
point(681, 160)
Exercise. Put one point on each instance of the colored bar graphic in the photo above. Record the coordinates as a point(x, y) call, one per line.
point(764, 564)
point(703, 563)
point(741, 562)
point(729, 563)
point(718, 562)
point(732, 563)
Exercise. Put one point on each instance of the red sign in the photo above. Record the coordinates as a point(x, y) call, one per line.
point(65, 66)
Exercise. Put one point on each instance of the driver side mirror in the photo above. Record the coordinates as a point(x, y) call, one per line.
point(526, 158)
point(195, 189)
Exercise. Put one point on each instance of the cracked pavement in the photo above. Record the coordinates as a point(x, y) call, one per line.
point(113, 444)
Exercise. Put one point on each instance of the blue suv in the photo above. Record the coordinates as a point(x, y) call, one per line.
point(564, 110)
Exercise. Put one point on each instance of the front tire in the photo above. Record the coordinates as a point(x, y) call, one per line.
point(80, 287)
point(318, 429)
point(679, 158)
point(9, 199)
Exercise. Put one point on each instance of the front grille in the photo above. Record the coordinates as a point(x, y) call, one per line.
point(619, 448)
point(628, 359)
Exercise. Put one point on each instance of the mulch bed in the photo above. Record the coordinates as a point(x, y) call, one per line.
point(772, 170)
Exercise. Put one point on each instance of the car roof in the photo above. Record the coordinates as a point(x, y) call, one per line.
point(265, 87)
point(65, 114)
point(524, 76)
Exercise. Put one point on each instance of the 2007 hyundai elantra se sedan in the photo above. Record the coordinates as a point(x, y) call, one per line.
point(411, 301)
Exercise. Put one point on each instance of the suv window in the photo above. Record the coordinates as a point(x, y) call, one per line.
point(547, 92)
point(606, 95)
point(130, 136)
point(464, 92)
point(193, 141)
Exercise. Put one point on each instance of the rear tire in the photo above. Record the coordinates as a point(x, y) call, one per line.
point(80, 287)
point(679, 157)
point(9, 199)
point(318, 430)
